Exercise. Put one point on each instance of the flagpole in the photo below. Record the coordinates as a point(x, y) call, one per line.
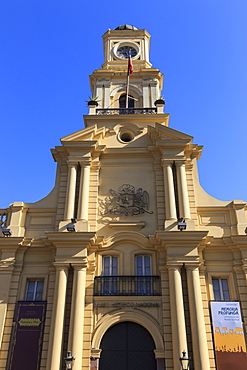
point(130, 70)
point(127, 91)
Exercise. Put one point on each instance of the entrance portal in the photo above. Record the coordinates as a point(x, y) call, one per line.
point(127, 346)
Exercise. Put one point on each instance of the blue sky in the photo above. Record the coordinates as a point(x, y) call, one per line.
point(48, 49)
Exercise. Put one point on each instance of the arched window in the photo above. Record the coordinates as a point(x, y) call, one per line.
point(122, 101)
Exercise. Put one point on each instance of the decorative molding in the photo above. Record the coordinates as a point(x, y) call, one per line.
point(128, 304)
point(127, 225)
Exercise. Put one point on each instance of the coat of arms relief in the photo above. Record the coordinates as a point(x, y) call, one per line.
point(126, 202)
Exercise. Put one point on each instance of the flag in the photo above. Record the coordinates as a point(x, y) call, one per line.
point(130, 65)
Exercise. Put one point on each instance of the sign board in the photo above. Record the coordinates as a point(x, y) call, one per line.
point(230, 347)
point(25, 352)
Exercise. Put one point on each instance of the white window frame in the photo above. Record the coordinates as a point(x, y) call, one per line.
point(221, 291)
point(110, 286)
point(111, 264)
point(144, 285)
point(143, 264)
point(231, 286)
point(29, 277)
point(35, 289)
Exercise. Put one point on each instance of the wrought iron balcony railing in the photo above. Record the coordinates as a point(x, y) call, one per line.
point(127, 286)
point(126, 111)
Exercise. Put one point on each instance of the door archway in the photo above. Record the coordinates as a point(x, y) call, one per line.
point(127, 346)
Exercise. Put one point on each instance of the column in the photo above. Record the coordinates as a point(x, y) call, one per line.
point(182, 190)
point(153, 93)
point(171, 213)
point(107, 96)
point(99, 93)
point(145, 97)
point(70, 195)
point(57, 322)
point(198, 331)
point(76, 329)
point(179, 340)
point(84, 192)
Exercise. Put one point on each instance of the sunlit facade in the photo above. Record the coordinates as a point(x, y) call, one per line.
point(119, 263)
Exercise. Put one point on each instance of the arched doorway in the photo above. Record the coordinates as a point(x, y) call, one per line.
point(127, 346)
point(122, 101)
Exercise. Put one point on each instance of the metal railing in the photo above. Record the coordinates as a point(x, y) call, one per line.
point(127, 286)
point(126, 111)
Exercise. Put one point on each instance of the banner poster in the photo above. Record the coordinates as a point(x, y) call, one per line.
point(229, 340)
point(28, 335)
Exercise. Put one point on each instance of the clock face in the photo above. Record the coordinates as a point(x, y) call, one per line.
point(125, 51)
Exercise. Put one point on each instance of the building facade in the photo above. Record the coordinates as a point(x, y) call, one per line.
point(119, 263)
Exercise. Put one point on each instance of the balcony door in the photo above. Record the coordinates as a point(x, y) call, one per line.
point(122, 101)
point(110, 273)
point(143, 272)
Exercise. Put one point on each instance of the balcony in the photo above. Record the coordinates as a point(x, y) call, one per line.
point(126, 111)
point(127, 286)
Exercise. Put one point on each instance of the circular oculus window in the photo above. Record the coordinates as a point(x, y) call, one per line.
point(126, 136)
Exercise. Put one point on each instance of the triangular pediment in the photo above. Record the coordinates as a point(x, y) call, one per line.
point(161, 133)
point(86, 134)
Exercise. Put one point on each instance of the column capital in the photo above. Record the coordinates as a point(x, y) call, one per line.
point(192, 265)
point(166, 162)
point(80, 265)
point(61, 265)
point(174, 265)
point(85, 162)
point(180, 162)
point(72, 164)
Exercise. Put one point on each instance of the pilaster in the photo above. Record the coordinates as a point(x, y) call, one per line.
point(8, 248)
point(17, 218)
point(241, 221)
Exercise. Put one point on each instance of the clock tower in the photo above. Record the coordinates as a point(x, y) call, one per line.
point(118, 266)
point(109, 83)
